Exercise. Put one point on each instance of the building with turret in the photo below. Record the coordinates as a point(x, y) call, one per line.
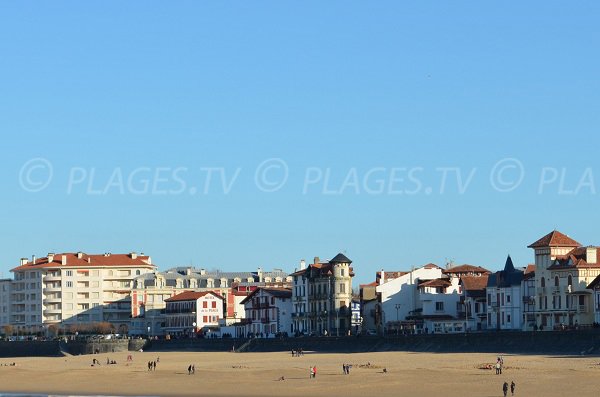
point(322, 297)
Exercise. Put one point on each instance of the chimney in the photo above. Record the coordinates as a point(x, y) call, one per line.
point(317, 260)
point(24, 261)
point(590, 255)
point(202, 272)
point(382, 278)
point(50, 257)
point(133, 255)
point(89, 260)
point(64, 259)
point(302, 264)
point(188, 271)
point(33, 259)
point(260, 275)
point(79, 255)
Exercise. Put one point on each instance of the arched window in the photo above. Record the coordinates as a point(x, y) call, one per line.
point(543, 282)
point(137, 272)
point(556, 281)
point(570, 280)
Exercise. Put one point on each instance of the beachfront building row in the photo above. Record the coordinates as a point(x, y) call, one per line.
point(428, 299)
point(151, 291)
point(560, 290)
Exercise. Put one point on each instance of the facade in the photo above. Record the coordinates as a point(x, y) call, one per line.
point(528, 288)
point(398, 298)
point(73, 289)
point(356, 316)
point(4, 303)
point(152, 290)
point(473, 293)
point(564, 269)
point(322, 297)
point(594, 286)
point(368, 306)
point(191, 312)
point(268, 312)
point(504, 298)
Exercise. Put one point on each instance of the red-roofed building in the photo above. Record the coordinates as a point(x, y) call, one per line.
point(191, 312)
point(268, 312)
point(563, 270)
point(72, 290)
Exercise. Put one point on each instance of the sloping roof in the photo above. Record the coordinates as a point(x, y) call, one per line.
point(340, 258)
point(466, 269)
point(99, 260)
point(555, 239)
point(576, 258)
point(438, 282)
point(595, 283)
point(191, 296)
point(474, 283)
point(283, 293)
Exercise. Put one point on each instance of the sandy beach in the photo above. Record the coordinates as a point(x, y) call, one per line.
point(258, 374)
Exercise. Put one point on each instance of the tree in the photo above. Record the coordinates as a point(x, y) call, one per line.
point(8, 330)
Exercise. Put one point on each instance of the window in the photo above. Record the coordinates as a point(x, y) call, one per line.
point(508, 299)
point(439, 306)
point(556, 281)
point(508, 318)
point(205, 305)
point(69, 284)
point(69, 273)
point(343, 288)
point(214, 304)
point(342, 272)
point(543, 282)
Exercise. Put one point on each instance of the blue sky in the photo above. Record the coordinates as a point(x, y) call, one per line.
point(364, 107)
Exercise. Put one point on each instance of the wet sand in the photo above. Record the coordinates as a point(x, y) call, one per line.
point(258, 374)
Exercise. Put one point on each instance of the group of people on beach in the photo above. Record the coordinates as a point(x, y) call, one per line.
point(346, 368)
point(152, 365)
point(191, 369)
point(499, 365)
point(512, 388)
point(313, 372)
point(297, 352)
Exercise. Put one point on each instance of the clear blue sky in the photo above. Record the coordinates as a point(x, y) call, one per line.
point(113, 95)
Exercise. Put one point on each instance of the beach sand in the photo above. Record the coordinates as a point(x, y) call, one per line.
point(258, 374)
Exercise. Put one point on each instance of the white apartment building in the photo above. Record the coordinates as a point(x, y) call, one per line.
point(72, 289)
point(4, 303)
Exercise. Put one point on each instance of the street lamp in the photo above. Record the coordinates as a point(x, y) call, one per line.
point(194, 328)
point(397, 306)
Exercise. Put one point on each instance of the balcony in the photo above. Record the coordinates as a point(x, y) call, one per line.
point(265, 320)
point(555, 289)
point(52, 277)
point(299, 314)
point(541, 290)
point(54, 310)
point(53, 299)
point(581, 308)
point(52, 288)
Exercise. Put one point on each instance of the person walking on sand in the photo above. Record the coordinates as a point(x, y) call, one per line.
point(190, 369)
point(512, 388)
point(498, 367)
point(193, 369)
point(505, 388)
point(312, 373)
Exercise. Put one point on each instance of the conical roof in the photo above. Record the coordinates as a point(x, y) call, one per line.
point(340, 258)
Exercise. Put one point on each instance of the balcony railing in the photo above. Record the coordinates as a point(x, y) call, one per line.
point(541, 290)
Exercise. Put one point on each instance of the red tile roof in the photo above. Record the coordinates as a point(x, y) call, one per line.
point(474, 283)
point(555, 239)
point(466, 269)
point(438, 282)
point(101, 260)
point(191, 296)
